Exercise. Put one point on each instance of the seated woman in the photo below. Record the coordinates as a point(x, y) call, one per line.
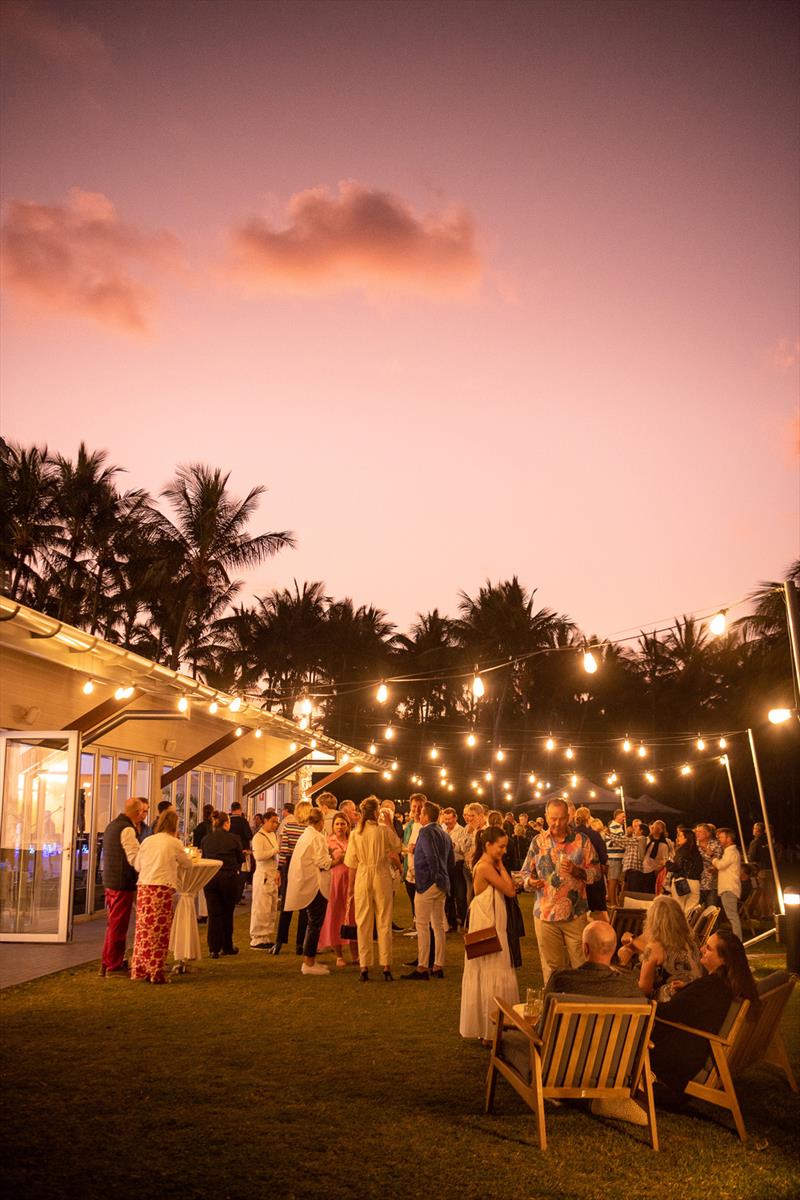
point(677, 1056)
point(668, 949)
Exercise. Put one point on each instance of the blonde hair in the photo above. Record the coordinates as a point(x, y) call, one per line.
point(582, 816)
point(301, 811)
point(667, 924)
point(167, 822)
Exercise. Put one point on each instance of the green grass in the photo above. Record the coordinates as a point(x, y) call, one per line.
point(245, 1079)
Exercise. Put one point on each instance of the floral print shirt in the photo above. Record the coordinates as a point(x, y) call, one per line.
point(712, 849)
point(561, 899)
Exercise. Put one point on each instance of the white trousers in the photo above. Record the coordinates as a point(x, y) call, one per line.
point(264, 910)
point(429, 910)
point(691, 898)
point(730, 906)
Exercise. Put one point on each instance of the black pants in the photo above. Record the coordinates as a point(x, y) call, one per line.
point(221, 901)
point(412, 891)
point(315, 916)
point(285, 921)
point(455, 906)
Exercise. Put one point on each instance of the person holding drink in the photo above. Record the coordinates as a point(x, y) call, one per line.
point(560, 863)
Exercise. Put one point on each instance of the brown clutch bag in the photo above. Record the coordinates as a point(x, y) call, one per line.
point(482, 941)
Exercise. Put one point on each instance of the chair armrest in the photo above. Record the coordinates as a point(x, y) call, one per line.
point(512, 1018)
point(703, 1033)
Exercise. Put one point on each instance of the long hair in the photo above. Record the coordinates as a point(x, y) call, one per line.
point(690, 845)
point(486, 837)
point(167, 822)
point(735, 969)
point(667, 924)
point(369, 812)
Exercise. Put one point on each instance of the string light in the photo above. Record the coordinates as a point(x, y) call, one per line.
point(549, 744)
point(259, 733)
point(292, 747)
point(480, 791)
point(443, 772)
point(382, 695)
point(592, 794)
point(236, 704)
point(213, 707)
point(471, 739)
point(718, 623)
point(506, 785)
point(649, 776)
point(239, 731)
point(123, 693)
point(478, 688)
point(88, 687)
point(387, 774)
point(345, 759)
point(642, 752)
point(531, 778)
point(373, 749)
point(306, 707)
point(389, 733)
point(304, 723)
point(500, 755)
point(313, 743)
point(488, 777)
point(434, 752)
point(183, 704)
point(359, 770)
point(451, 787)
point(686, 769)
point(569, 752)
point(778, 715)
point(589, 663)
point(395, 765)
point(700, 744)
point(612, 779)
point(574, 781)
point(723, 743)
point(626, 746)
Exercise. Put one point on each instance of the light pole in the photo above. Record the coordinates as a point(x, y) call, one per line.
point(767, 827)
point(742, 842)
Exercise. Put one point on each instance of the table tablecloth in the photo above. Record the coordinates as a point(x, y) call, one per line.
point(184, 937)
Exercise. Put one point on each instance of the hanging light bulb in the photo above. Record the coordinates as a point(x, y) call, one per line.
point(389, 734)
point(395, 765)
point(549, 744)
point(259, 733)
point(306, 707)
point(569, 753)
point(373, 749)
point(183, 704)
point(612, 779)
point(473, 784)
point(592, 794)
point(382, 694)
point(686, 769)
point(574, 781)
point(723, 742)
point(313, 743)
point(777, 716)
point(434, 752)
point(506, 785)
point(239, 731)
point(478, 688)
point(387, 774)
point(471, 739)
point(480, 791)
point(700, 744)
point(649, 776)
point(531, 778)
point(213, 707)
point(88, 687)
point(359, 770)
point(119, 693)
point(626, 745)
point(718, 623)
point(304, 723)
point(451, 787)
point(236, 704)
point(345, 759)
point(488, 777)
point(500, 755)
point(642, 752)
point(589, 663)
point(443, 772)
point(292, 747)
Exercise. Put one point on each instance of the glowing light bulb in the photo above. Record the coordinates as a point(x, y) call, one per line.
point(471, 739)
point(488, 777)
point(119, 694)
point(236, 704)
point(478, 688)
point(589, 663)
point(306, 707)
point(574, 781)
point(569, 752)
point(304, 723)
point(313, 743)
point(686, 769)
point(531, 778)
point(626, 746)
point(387, 774)
point(592, 794)
point(259, 733)
point(500, 755)
point(395, 765)
point(88, 687)
point(723, 742)
point(382, 694)
point(480, 791)
point(372, 748)
point(239, 731)
point(443, 772)
point(649, 776)
point(778, 715)
point(700, 744)
point(473, 784)
point(718, 624)
point(183, 704)
point(213, 707)
point(345, 759)
point(506, 785)
point(389, 734)
point(550, 744)
point(358, 770)
point(434, 753)
point(642, 752)
point(612, 779)
point(451, 787)
point(292, 747)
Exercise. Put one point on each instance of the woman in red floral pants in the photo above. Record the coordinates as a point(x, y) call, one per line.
point(159, 859)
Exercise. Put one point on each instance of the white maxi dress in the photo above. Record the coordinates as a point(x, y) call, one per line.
point(489, 976)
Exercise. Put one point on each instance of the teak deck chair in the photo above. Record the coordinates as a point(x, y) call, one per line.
point(587, 1050)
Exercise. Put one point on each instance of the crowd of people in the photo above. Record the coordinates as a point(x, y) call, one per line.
point(339, 868)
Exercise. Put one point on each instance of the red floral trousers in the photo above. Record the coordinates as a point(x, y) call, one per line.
point(153, 923)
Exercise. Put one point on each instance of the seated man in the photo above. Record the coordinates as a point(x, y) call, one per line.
point(595, 976)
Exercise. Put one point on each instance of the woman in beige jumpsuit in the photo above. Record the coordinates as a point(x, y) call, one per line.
point(372, 846)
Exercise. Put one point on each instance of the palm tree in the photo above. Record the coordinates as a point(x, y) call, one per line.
point(209, 538)
point(28, 522)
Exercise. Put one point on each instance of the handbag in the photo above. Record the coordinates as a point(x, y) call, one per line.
point(681, 887)
point(481, 942)
point(348, 933)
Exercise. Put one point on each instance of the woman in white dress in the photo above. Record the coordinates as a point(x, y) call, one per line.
point(491, 975)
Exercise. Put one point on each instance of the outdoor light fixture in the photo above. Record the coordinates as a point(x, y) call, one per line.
point(500, 755)
point(478, 689)
point(372, 748)
point(213, 707)
point(626, 746)
point(183, 704)
point(471, 739)
point(88, 687)
point(642, 752)
point(382, 694)
point(236, 704)
point(718, 623)
point(569, 752)
point(389, 734)
point(589, 663)
point(549, 744)
point(778, 715)
point(434, 753)
point(700, 744)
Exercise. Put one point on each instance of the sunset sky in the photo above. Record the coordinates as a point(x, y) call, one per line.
point(473, 289)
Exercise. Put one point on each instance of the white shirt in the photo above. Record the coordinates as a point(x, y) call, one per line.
point(729, 867)
point(265, 851)
point(309, 870)
point(158, 860)
point(130, 844)
point(457, 835)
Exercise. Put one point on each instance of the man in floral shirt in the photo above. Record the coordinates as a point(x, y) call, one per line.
point(559, 864)
point(709, 849)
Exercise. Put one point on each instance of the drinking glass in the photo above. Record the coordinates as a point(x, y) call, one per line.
point(533, 1003)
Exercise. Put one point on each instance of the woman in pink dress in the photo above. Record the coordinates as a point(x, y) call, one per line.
point(337, 913)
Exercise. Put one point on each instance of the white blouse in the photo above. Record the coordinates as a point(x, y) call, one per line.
point(309, 870)
point(158, 860)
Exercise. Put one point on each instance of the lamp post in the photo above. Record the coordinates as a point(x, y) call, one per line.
point(742, 842)
point(767, 827)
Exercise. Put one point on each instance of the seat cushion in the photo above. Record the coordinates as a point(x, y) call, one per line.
point(775, 979)
point(515, 1049)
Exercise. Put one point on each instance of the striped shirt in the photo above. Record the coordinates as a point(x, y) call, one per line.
point(290, 836)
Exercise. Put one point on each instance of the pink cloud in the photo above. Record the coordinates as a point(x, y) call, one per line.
point(359, 238)
point(78, 258)
point(784, 355)
point(54, 36)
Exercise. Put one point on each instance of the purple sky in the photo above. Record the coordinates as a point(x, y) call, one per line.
point(473, 289)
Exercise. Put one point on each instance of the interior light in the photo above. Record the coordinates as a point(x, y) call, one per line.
point(183, 704)
point(88, 687)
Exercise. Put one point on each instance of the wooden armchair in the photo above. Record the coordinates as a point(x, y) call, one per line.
point(749, 1035)
point(705, 924)
point(587, 1050)
point(627, 920)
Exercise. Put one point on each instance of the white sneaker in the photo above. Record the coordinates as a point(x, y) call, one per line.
point(317, 969)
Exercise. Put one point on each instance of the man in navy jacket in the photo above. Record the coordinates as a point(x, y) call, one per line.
point(433, 855)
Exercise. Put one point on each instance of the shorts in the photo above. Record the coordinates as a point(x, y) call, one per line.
point(615, 868)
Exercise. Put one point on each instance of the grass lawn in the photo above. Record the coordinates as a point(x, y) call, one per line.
point(245, 1079)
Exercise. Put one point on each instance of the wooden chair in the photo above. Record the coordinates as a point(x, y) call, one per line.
point(693, 915)
point(748, 1036)
point(588, 1050)
point(705, 924)
point(627, 920)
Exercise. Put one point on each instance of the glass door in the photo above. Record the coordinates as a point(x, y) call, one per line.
point(38, 784)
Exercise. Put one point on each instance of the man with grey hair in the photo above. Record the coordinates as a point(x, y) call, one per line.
point(560, 862)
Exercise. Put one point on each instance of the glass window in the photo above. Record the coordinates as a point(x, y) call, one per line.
point(208, 785)
point(219, 792)
point(104, 815)
point(142, 778)
point(83, 833)
point(193, 814)
point(230, 791)
point(124, 779)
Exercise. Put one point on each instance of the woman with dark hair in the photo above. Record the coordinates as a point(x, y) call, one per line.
point(372, 848)
point(158, 860)
point(686, 868)
point(678, 1056)
point(221, 891)
point(492, 974)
